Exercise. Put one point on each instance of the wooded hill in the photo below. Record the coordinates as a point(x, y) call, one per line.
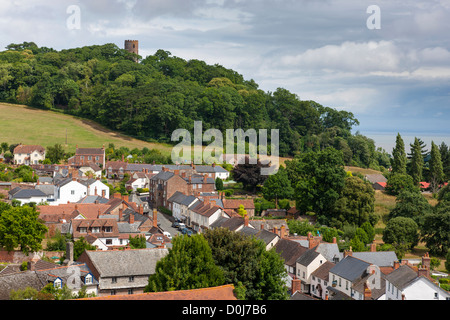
point(150, 99)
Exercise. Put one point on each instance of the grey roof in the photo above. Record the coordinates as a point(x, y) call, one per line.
point(177, 197)
point(45, 180)
point(377, 177)
point(329, 251)
point(263, 235)
point(379, 258)
point(308, 257)
point(188, 200)
point(28, 193)
point(126, 262)
point(402, 277)
point(163, 175)
point(199, 180)
point(93, 199)
point(14, 191)
point(48, 189)
point(19, 280)
point(350, 268)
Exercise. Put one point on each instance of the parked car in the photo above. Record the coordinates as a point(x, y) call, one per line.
point(181, 226)
point(175, 224)
point(187, 231)
point(167, 234)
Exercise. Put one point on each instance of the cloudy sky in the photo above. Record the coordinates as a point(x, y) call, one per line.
point(394, 79)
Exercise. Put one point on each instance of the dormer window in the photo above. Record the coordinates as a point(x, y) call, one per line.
point(88, 279)
point(95, 229)
point(108, 229)
point(57, 284)
point(83, 230)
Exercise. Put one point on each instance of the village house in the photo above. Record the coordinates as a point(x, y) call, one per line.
point(27, 195)
point(233, 204)
point(163, 185)
point(85, 156)
point(306, 264)
point(413, 283)
point(320, 280)
point(28, 154)
point(90, 170)
point(122, 272)
point(203, 214)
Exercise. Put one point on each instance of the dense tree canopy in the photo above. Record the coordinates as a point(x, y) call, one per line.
point(162, 92)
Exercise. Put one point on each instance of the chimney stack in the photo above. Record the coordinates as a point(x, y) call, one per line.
point(120, 214)
point(396, 264)
point(334, 240)
point(373, 247)
point(103, 193)
point(296, 285)
point(246, 220)
point(367, 292)
point(69, 254)
point(283, 231)
point(426, 261)
point(155, 218)
point(131, 218)
point(348, 252)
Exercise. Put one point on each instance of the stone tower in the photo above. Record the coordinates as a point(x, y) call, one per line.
point(132, 46)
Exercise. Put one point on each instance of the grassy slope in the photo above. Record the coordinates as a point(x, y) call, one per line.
point(21, 124)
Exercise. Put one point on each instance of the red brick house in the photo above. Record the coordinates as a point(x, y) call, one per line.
point(83, 156)
point(163, 185)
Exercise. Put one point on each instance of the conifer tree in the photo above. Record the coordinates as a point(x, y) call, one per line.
point(399, 156)
point(436, 168)
point(417, 162)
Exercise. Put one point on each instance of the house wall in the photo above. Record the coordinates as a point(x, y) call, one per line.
point(315, 282)
point(35, 157)
point(100, 187)
point(71, 192)
point(36, 200)
point(304, 272)
point(122, 285)
point(342, 284)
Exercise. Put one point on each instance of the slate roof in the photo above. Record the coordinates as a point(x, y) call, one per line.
point(402, 277)
point(122, 263)
point(163, 175)
point(323, 271)
point(350, 268)
point(375, 178)
point(89, 151)
point(28, 193)
point(19, 280)
point(289, 250)
point(263, 235)
point(306, 258)
point(379, 258)
point(177, 197)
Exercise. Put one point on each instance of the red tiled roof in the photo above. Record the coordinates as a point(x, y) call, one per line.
point(235, 203)
point(88, 210)
point(28, 149)
point(224, 292)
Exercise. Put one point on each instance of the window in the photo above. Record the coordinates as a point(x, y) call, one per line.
point(131, 279)
point(304, 277)
point(95, 229)
point(130, 291)
point(97, 158)
point(108, 229)
point(88, 279)
point(72, 192)
point(436, 295)
point(109, 241)
point(83, 230)
point(57, 284)
point(113, 280)
point(89, 158)
point(113, 292)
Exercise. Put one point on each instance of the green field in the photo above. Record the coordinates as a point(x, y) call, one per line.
point(22, 124)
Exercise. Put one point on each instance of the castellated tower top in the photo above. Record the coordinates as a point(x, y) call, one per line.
point(132, 46)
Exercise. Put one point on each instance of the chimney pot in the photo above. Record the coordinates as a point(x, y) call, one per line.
point(155, 218)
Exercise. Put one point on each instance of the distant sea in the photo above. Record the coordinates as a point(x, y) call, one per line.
point(386, 140)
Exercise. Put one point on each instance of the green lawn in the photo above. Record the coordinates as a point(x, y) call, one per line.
point(21, 124)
